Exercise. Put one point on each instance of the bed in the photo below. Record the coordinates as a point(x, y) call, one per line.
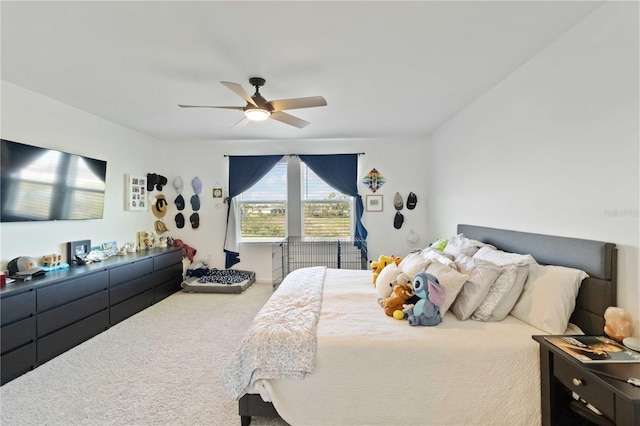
point(358, 366)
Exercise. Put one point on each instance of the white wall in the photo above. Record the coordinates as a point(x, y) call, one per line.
point(30, 118)
point(554, 147)
point(33, 119)
point(402, 172)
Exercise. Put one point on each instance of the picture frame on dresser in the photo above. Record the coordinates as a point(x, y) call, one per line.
point(77, 251)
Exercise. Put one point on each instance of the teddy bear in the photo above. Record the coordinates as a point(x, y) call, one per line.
point(401, 293)
point(385, 290)
point(427, 310)
point(618, 323)
point(378, 266)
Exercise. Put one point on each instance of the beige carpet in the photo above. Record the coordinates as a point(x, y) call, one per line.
point(162, 366)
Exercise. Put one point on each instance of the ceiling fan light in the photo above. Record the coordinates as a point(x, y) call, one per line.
point(257, 114)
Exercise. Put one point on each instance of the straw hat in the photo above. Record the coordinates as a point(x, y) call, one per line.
point(159, 208)
point(160, 227)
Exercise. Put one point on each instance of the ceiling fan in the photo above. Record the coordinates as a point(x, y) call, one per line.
point(259, 109)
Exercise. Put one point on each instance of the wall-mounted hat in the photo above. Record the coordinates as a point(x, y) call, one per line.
point(179, 202)
point(160, 227)
point(180, 220)
point(152, 180)
point(162, 181)
point(412, 200)
point(195, 220)
point(159, 208)
point(178, 184)
point(196, 184)
point(195, 202)
point(397, 201)
point(398, 220)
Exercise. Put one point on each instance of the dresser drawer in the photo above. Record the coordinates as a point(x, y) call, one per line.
point(56, 343)
point(73, 289)
point(573, 378)
point(62, 316)
point(167, 259)
point(121, 274)
point(18, 334)
point(172, 273)
point(130, 307)
point(18, 362)
point(130, 289)
point(18, 307)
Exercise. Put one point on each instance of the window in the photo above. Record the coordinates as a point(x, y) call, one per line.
point(263, 207)
point(326, 212)
point(292, 200)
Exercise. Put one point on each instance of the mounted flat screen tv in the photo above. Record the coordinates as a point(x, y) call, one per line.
point(44, 184)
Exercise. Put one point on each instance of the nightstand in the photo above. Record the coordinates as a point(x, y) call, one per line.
point(561, 374)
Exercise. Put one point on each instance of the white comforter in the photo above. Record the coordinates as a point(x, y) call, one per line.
point(372, 369)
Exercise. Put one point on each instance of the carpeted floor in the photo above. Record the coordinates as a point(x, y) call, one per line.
point(162, 366)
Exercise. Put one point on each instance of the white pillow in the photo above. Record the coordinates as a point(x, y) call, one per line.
point(450, 280)
point(502, 258)
point(430, 253)
point(462, 245)
point(509, 299)
point(549, 297)
point(386, 277)
point(482, 275)
point(413, 263)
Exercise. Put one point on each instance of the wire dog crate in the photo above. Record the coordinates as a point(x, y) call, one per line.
point(297, 252)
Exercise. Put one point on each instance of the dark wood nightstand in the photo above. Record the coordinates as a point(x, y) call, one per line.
point(561, 374)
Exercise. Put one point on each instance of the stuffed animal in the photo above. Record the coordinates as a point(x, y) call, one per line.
point(440, 244)
point(618, 323)
point(378, 266)
point(427, 310)
point(401, 293)
point(389, 277)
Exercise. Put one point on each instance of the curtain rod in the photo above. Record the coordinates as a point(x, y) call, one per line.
point(293, 155)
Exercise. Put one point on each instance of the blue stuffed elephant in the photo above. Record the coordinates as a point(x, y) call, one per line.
point(427, 310)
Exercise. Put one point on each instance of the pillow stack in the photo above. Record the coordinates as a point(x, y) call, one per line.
point(483, 283)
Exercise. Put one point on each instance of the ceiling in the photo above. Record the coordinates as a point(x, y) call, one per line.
point(387, 69)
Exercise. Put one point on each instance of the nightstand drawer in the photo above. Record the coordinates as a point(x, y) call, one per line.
point(584, 385)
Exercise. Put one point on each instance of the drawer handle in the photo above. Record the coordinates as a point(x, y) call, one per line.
point(577, 382)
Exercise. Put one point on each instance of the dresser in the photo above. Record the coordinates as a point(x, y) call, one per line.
point(49, 315)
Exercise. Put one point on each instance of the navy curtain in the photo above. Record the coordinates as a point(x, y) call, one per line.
point(244, 172)
point(340, 171)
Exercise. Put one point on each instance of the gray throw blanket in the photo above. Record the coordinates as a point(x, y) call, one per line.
point(281, 340)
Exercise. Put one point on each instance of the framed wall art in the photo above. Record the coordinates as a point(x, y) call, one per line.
point(374, 203)
point(136, 193)
point(373, 180)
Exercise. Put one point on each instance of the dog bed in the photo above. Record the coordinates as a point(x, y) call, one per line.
point(204, 280)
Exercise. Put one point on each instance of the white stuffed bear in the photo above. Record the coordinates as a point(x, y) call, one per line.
point(389, 277)
point(386, 279)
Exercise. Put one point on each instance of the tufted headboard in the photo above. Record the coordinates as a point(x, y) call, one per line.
point(596, 258)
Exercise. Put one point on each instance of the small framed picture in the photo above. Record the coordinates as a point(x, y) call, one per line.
point(217, 192)
point(111, 248)
point(374, 203)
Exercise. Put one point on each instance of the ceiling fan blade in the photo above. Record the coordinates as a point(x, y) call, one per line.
point(238, 90)
point(289, 119)
point(241, 123)
point(210, 106)
point(295, 103)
